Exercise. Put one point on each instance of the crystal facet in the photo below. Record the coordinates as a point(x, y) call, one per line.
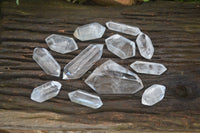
point(46, 61)
point(83, 62)
point(85, 98)
point(46, 91)
point(127, 29)
point(112, 78)
point(61, 44)
point(153, 94)
point(145, 46)
point(120, 46)
point(148, 67)
point(89, 31)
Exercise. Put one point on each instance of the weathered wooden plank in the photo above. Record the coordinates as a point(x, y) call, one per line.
point(174, 29)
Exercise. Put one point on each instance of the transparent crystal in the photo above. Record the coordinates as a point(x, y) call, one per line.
point(120, 46)
point(145, 46)
point(85, 98)
point(153, 94)
point(46, 91)
point(61, 44)
point(112, 78)
point(148, 67)
point(123, 28)
point(89, 32)
point(83, 62)
point(46, 61)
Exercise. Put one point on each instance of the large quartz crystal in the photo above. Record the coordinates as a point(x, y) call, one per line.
point(85, 98)
point(46, 61)
point(112, 78)
point(61, 44)
point(148, 67)
point(153, 94)
point(123, 28)
point(89, 32)
point(83, 62)
point(145, 46)
point(46, 91)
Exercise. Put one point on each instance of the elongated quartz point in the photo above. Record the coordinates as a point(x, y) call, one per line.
point(145, 46)
point(123, 28)
point(83, 62)
point(46, 91)
point(85, 98)
point(46, 61)
point(153, 94)
point(112, 78)
point(148, 67)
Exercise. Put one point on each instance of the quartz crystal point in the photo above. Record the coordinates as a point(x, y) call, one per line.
point(83, 62)
point(46, 61)
point(123, 28)
point(89, 32)
point(145, 46)
point(120, 46)
point(85, 98)
point(46, 91)
point(61, 44)
point(148, 67)
point(112, 78)
point(153, 94)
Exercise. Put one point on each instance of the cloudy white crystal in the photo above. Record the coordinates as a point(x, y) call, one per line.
point(153, 94)
point(120, 46)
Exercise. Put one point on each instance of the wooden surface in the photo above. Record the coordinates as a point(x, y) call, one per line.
point(174, 29)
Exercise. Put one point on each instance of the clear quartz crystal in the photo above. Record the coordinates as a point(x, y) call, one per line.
point(85, 98)
point(61, 44)
point(120, 46)
point(145, 46)
point(153, 94)
point(46, 91)
point(83, 62)
point(112, 78)
point(46, 61)
point(123, 28)
point(89, 31)
point(148, 67)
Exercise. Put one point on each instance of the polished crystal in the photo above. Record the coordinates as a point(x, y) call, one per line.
point(112, 78)
point(123, 28)
point(46, 91)
point(89, 31)
point(148, 67)
point(85, 98)
point(153, 94)
point(46, 61)
point(61, 44)
point(120, 46)
point(145, 46)
point(83, 62)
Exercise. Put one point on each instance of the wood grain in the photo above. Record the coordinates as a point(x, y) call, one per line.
point(174, 29)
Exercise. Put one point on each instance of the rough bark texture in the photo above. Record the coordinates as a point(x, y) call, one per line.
point(174, 29)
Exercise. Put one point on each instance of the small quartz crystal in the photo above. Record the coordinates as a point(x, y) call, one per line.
point(145, 46)
point(112, 78)
point(89, 31)
point(61, 44)
point(120, 46)
point(46, 61)
point(83, 62)
point(153, 94)
point(85, 98)
point(148, 67)
point(123, 28)
point(46, 91)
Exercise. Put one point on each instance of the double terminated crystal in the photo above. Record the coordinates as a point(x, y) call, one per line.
point(112, 78)
point(83, 62)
